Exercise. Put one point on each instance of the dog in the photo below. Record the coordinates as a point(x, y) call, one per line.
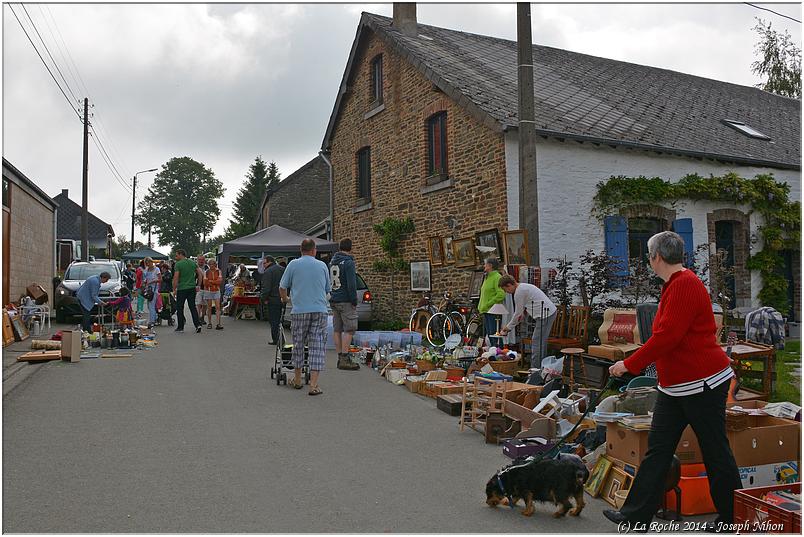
point(546, 480)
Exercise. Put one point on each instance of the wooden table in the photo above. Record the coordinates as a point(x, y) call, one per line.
point(242, 302)
point(746, 351)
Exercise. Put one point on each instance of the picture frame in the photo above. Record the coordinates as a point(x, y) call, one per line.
point(616, 480)
point(464, 250)
point(515, 247)
point(475, 283)
point(435, 249)
point(598, 476)
point(420, 278)
point(19, 328)
point(489, 238)
point(449, 253)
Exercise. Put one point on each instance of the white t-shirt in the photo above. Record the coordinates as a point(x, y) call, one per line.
point(530, 297)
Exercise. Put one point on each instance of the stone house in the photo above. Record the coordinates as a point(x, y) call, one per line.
point(425, 125)
point(69, 225)
point(300, 201)
point(29, 235)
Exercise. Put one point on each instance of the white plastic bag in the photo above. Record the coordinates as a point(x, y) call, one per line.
point(552, 367)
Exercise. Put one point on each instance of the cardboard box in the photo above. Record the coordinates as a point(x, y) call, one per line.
point(613, 352)
point(626, 444)
point(71, 345)
point(767, 475)
point(412, 383)
point(767, 440)
point(36, 292)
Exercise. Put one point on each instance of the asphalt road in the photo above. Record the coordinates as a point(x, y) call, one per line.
point(194, 437)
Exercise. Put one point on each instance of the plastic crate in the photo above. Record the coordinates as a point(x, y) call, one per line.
point(754, 515)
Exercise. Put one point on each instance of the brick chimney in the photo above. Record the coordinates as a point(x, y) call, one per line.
point(405, 18)
point(64, 192)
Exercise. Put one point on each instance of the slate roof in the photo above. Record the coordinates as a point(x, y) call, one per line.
point(315, 168)
point(11, 171)
point(585, 97)
point(68, 221)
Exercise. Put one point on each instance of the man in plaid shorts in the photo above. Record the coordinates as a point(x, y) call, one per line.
point(307, 280)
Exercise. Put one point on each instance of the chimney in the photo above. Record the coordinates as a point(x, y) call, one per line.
point(405, 18)
point(64, 192)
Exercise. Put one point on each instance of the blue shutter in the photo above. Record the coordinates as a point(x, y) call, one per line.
point(616, 228)
point(683, 226)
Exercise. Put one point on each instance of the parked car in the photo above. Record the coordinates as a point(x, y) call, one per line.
point(65, 302)
point(364, 307)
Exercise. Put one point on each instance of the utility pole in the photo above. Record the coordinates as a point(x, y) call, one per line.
point(528, 191)
point(85, 186)
point(149, 224)
point(133, 204)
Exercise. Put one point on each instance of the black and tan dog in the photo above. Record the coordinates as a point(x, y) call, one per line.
point(547, 480)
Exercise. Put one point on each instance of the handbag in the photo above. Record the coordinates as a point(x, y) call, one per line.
point(148, 294)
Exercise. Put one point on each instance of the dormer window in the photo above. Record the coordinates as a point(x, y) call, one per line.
point(376, 79)
point(745, 129)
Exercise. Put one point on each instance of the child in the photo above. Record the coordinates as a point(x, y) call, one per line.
point(124, 314)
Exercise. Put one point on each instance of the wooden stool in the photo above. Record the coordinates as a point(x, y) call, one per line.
point(571, 353)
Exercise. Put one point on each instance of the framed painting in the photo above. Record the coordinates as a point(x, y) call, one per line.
point(475, 282)
point(487, 244)
point(449, 253)
point(435, 248)
point(419, 275)
point(464, 251)
point(515, 247)
point(616, 480)
point(598, 476)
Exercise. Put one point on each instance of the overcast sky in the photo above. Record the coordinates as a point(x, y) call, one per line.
point(225, 83)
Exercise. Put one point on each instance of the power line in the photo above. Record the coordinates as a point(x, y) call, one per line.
point(69, 102)
point(108, 160)
point(772, 11)
point(56, 65)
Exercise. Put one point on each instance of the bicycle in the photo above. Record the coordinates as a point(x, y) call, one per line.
point(446, 321)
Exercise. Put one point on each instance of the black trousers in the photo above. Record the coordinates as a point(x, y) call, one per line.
point(274, 318)
point(182, 296)
point(86, 319)
point(706, 413)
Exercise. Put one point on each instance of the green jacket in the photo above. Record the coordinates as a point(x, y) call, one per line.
point(490, 292)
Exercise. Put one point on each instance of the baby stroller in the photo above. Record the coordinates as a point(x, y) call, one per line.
point(283, 361)
point(168, 309)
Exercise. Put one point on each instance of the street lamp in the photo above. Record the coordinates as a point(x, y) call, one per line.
point(134, 201)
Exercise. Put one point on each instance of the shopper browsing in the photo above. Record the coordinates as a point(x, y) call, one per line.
point(694, 375)
point(491, 294)
point(212, 292)
point(87, 296)
point(150, 288)
point(185, 275)
point(530, 301)
point(343, 277)
point(307, 281)
point(269, 295)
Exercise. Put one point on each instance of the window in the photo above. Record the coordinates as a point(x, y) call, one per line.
point(6, 193)
point(364, 173)
point(639, 231)
point(376, 79)
point(745, 129)
point(437, 145)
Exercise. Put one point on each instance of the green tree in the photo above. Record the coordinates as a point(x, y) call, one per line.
point(260, 177)
point(182, 204)
point(780, 61)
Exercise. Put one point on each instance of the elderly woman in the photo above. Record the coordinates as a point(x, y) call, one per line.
point(694, 375)
point(151, 277)
point(491, 294)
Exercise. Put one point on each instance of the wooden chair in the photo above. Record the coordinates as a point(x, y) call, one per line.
point(577, 329)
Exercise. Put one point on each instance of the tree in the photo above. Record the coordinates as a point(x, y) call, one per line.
point(596, 273)
point(779, 63)
point(182, 204)
point(260, 177)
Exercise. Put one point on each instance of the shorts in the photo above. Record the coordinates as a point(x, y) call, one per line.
point(210, 295)
point(309, 329)
point(344, 317)
point(199, 298)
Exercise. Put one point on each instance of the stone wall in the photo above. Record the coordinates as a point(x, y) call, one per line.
point(32, 244)
point(302, 199)
point(471, 200)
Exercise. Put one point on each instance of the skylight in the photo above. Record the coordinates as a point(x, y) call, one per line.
point(745, 129)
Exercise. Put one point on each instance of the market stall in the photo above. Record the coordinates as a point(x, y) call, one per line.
point(142, 253)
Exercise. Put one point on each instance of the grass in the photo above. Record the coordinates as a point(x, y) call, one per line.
point(788, 387)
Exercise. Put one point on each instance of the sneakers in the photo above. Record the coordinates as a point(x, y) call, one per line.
point(345, 362)
point(198, 329)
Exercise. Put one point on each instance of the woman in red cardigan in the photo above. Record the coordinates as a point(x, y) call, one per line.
point(694, 375)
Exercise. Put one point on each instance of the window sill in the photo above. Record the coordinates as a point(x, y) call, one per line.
point(363, 207)
point(435, 187)
point(374, 111)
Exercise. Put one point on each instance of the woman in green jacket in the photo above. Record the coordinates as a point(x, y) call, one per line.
point(490, 294)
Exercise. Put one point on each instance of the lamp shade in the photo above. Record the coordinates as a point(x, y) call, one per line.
point(498, 309)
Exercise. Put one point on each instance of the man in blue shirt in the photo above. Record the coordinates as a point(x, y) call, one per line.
point(307, 280)
point(87, 296)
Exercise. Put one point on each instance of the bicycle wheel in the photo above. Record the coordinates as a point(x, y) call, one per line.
point(437, 329)
point(474, 328)
point(455, 324)
point(418, 321)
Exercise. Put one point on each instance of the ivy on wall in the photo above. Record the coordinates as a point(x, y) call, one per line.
point(780, 230)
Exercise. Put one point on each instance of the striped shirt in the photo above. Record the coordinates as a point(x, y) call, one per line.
point(697, 386)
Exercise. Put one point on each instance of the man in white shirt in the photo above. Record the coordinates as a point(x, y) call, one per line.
point(530, 300)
